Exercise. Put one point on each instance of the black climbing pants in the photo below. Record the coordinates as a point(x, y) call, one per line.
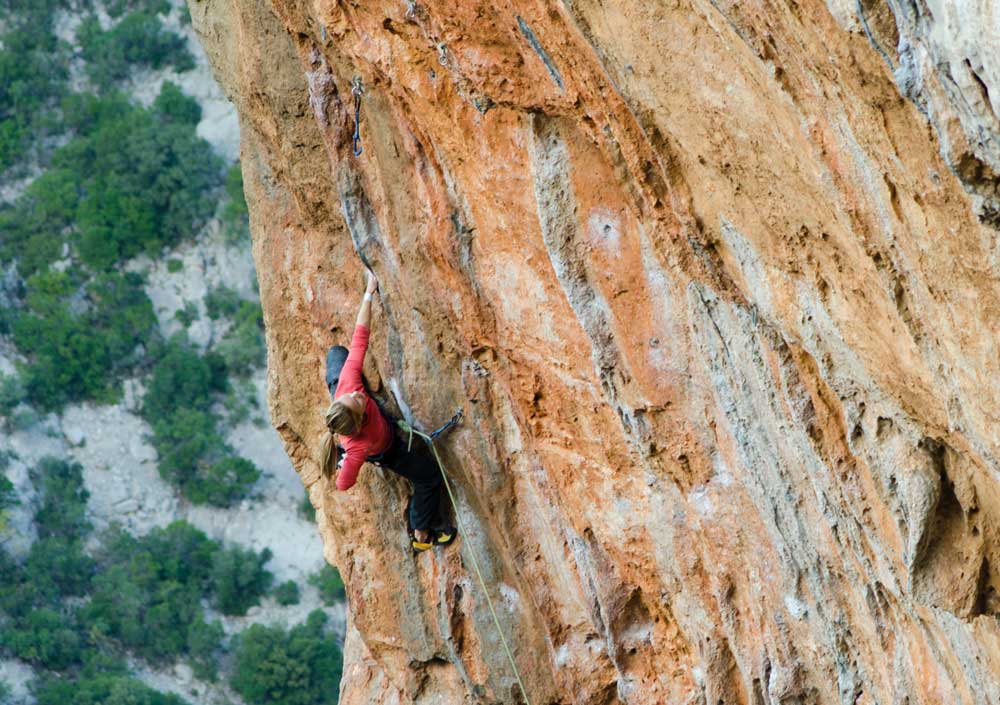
point(419, 467)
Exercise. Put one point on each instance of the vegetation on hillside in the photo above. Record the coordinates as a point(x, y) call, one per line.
point(75, 614)
point(329, 583)
point(297, 667)
point(193, 456)
point(110, 182)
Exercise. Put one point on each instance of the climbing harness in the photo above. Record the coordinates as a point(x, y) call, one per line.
point(357, 90)
point(408, 429)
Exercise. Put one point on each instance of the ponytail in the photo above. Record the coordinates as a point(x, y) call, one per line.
point(328, 456)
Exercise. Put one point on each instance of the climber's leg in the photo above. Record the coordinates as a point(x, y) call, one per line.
point(424, 505)
point(418, 466)
point(335, 359)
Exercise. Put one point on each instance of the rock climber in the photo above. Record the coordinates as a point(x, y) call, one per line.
point(366, 434)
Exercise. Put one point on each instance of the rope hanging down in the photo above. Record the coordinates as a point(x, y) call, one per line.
point(357, 90)
point(407, 428)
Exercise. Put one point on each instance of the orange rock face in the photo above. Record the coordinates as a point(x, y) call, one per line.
point(721, 319)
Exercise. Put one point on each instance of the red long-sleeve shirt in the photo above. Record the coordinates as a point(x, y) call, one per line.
point(374, 435)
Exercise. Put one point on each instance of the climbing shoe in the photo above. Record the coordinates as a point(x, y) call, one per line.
point(445, 535)
point(438, 537)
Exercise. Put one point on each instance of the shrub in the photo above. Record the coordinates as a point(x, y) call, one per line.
point(34, 227)
point(221, 302)
point(132, 180)
point(235, 214)
point(147, 594)
point(8, 493)
point(137, 40)
point(57, 567)
point(287, 593)
point(173, 106)
point(11, 394)
point(239, 579)
point(116, 8)
point(183, 553)
point(187, 315)
point(306, 509)
point(225, 482)
point(63, 510)
point(203, 646)
point(329, 584)
point(101, 689)
point(243, 347)
point(187, 443)
point(193, 456)
point(80, 341)
point(42, 638)
point(182, 378)
point(33, 73)
point(298, 667)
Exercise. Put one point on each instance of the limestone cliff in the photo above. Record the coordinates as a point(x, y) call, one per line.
point(716, 284)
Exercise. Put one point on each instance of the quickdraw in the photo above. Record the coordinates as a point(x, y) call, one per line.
point(357, 90)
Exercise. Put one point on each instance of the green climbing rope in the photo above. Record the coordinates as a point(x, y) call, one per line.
point(407, 428)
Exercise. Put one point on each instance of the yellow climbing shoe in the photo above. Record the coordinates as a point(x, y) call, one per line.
point(445, 535)
point(421, 546)
point(438, 537)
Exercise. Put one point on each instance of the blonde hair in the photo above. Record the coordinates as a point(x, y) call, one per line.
point(339, 420)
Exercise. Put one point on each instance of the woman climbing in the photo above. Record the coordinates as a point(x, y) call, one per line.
point(367, 435)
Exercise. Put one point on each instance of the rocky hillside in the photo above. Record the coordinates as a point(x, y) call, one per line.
point(716, 285)
point(194, 297)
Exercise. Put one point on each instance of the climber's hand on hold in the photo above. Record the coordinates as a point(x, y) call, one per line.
point(365, 314)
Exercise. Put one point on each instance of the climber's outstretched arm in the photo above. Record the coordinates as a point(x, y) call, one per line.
point(365, 314)
point(350, 373)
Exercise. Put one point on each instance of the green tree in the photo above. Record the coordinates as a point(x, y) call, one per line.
point(11, 394)
point(243, 347)
point(173, 106)
point(33, 72)
point(58, 567)
point(225, 482)
point(193, 456)
point(204, 640)
point(182, 378)
point(298, 667)
point(79, 341)
point(329, 583)
point(137, 40)
point(239, 579)
point(42, 638)
point(100, 689)
point(287, 593)
point(235, 214)
point(63, 510)
point(116, 8)
point(221, 302)
point(132, 180)
point(147, 595)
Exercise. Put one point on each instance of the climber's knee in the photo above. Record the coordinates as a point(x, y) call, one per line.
point(335, 359)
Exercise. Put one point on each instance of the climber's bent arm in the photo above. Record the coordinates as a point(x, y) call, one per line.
point(348, 475)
